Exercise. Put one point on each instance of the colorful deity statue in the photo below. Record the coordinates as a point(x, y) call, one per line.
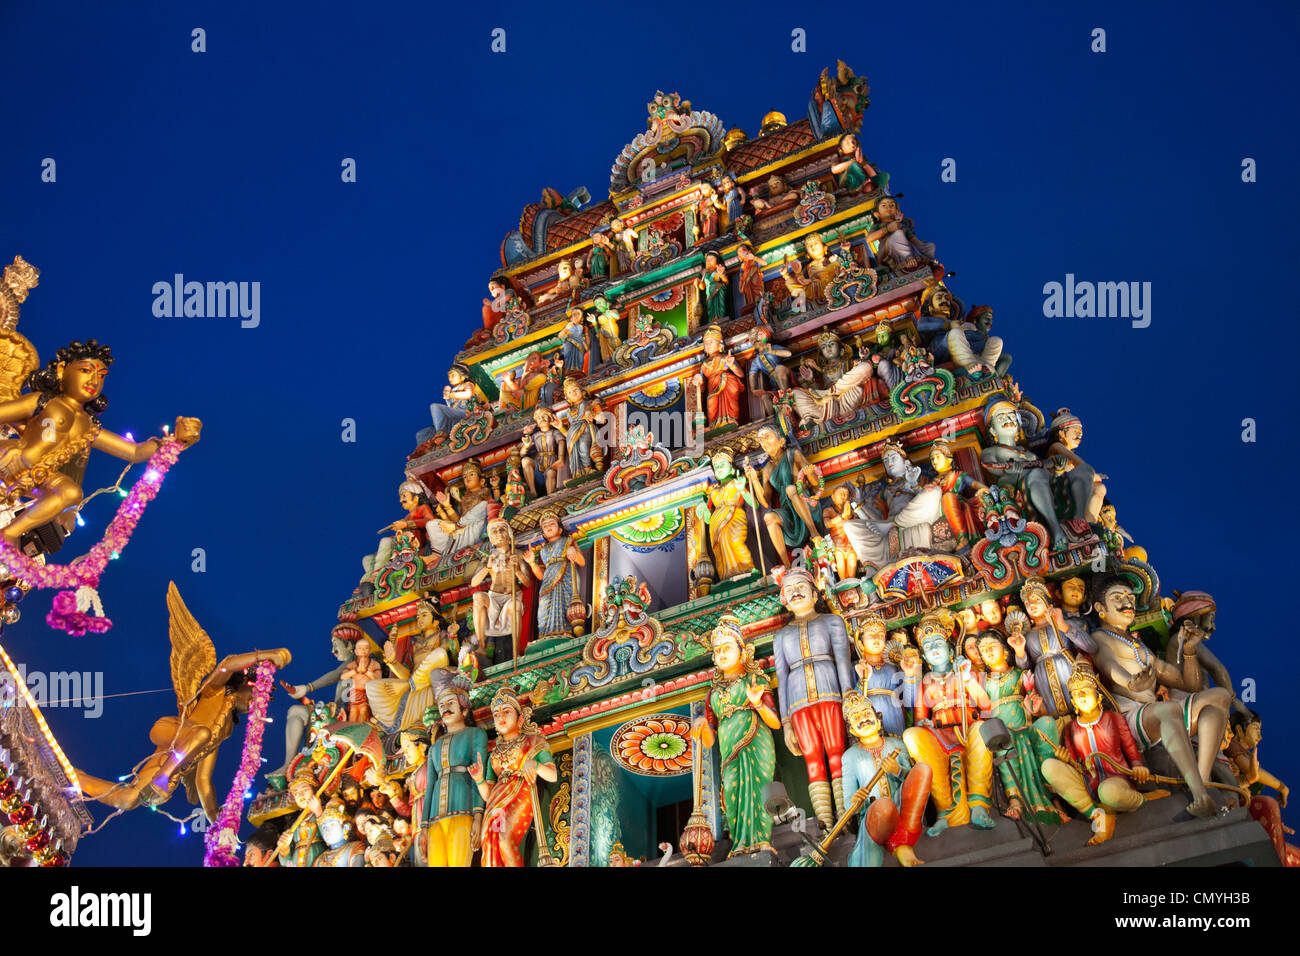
point(602, 260)
point(766, 373)
point(411, 534)
point(416, 673)
point(606, 322)
point(507, 781)
point(57, 421)
point(903, 786)
point(972, 347)
point(821, 268)
point(1067, 434)
point(461, 524)
point(624, 244)
point(899, 250)
point(843, 387)
point(751, 275)
point(723, 510)
point(302, 843)
point(522, 389)
point(955, 484)
point(358, 671)
point(852, 172)
point(797, 283)
point(453, 804)
point(713, 283)
point(498, 611)
point(880, 680)
point(1133, 673)
point(901, 502)
point(724, 380)
point(408, 798)
point(707, 208)
point(544, 461)
point(813, 671)
point(558, 573)
point(781, 489)
point(836, 514)
point(1033, 738)
point(1047, 646)
point(1074, 595)
point(740, 715)
point(733, 199)
point(1113, 535)
point(946, 733)
point(1019, 469)
point(458, 394)
point(582, 438)
point(575, 343)
point(569, 282)
point(1092, 766)
point(1197, 609)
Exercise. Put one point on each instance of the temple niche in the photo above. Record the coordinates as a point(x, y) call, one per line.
point(726, 464)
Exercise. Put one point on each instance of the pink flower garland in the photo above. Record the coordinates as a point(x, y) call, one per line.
point(224, 833)
point(86, 570)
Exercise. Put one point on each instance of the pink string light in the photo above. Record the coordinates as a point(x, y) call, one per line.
point(86, 570)
point(223, 835)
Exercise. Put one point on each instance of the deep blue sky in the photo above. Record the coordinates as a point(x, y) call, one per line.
point(225, 166)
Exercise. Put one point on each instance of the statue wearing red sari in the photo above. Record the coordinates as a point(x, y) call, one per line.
point(722, 375)
point(520, 756)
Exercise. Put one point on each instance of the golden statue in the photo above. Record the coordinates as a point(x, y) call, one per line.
point(56, 420)
point(208, 695)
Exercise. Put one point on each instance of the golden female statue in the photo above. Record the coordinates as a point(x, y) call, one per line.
point(187, 743)
point(56, 420)
point(724, 512)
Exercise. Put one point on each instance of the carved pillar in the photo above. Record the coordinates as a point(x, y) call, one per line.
point(693, 311)
point(710, 804)
point(580, 813)
point(599, 578)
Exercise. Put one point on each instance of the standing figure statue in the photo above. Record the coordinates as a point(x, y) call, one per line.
point(558, 574)
point(751, 275)
point(209, 695)
point(1133, 673)
point(453, 805)
point(787, 509)
point(813, 671)
point(409, 797)
point(1019, 469)
point(1046, 646)
point(1067, 434)
point(544, 462)
point(723, 510)
point(766, 373)
point(575, 343)
point(498, 611)
point(880, 680)
point(1092, 766)
point(507, 781)
point(302, 844)
point(358, 672)
point(1033, 739)
point(903, 786)
point(946, 734)
point(582, 439)
point(725, 383)
point(741, 709)
point(713, 283)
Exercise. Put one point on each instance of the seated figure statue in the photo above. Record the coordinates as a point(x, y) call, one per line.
point(901, 500)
